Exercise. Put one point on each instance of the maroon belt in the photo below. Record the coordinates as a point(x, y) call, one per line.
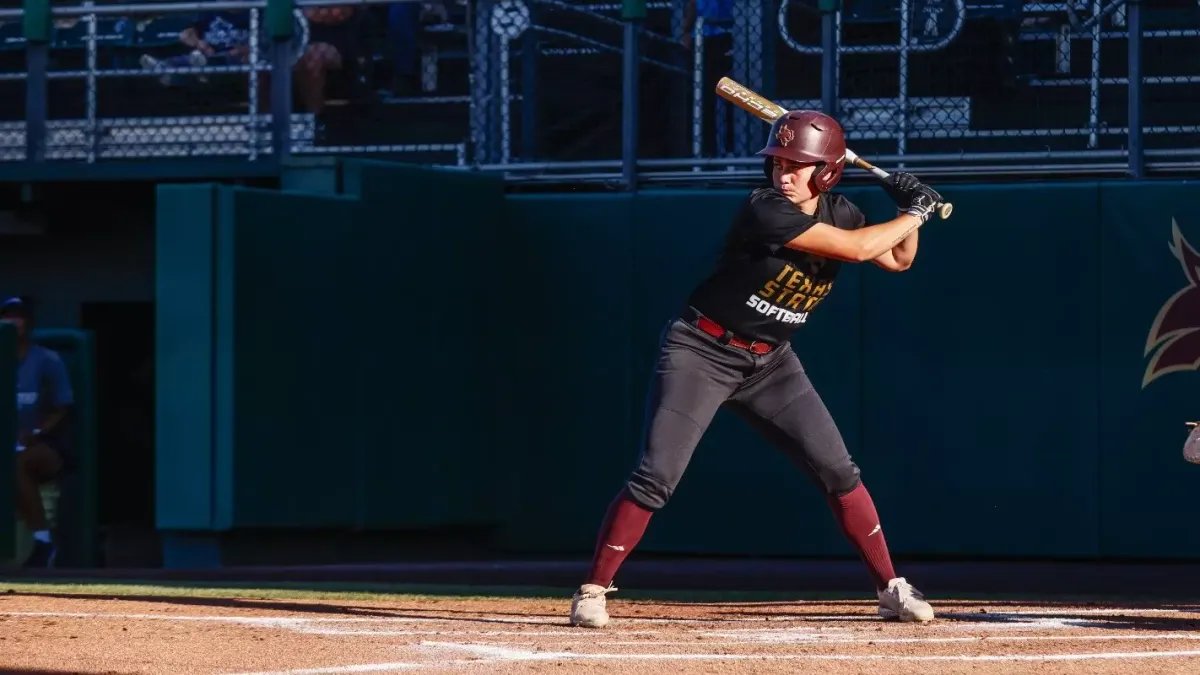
point(714, 329)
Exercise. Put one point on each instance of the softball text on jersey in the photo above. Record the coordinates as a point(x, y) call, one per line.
point(790, 296)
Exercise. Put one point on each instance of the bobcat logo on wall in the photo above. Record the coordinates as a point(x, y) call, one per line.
point(1175, 333)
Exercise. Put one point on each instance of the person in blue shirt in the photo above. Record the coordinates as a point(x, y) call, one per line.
point(44, 396)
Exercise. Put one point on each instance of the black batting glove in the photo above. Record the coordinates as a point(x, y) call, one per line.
point(922, 202)
point(900, 186)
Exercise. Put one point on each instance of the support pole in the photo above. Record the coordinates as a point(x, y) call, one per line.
point(529, 74)
point(280, 27)
point(1133, 17)
point(36, 28)
point(634, 12)
point(829, 46)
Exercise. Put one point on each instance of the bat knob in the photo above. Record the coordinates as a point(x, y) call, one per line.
point(944, 210)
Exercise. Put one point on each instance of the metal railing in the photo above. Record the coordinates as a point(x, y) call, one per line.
point(90, 136)
point(622, 94)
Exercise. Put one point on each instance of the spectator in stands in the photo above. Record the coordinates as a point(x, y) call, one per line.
point(223, 39)
point(44, 397)
point(216, 39)
point(331, 43)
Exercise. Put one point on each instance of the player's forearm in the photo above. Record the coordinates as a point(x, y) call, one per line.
point(906, 251)
point(873, 241)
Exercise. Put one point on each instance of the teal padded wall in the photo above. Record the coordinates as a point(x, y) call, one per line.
point(433, 309)
point(319, 360)
point(1149, 385)
point(568, 304)
point(289, 417)
point(991, 394)
point(994, 395)
point(980, 361)
point(184, 360)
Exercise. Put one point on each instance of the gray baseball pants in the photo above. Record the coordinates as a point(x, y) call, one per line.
point(696, 375)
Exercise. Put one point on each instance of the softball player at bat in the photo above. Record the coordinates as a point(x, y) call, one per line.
point(730, 348)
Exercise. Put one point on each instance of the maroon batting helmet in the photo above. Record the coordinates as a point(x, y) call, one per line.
point(807, 137)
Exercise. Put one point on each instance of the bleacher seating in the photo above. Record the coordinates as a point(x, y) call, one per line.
point(361, 109)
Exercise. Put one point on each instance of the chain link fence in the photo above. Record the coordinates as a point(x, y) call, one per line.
point(547, 81)
point(171, 83)
point(910, 77)
point(539, 83)
point(154, 85)
point(956, 82)
point(735, 39)
point(1170, 79)
point(391, 79)
point(1071, 80)
point(12, 91)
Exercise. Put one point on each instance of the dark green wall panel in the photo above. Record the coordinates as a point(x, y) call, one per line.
point(331, 371)
point(981, 362)
point(184, 240)
point(569, 301)
point(466, 357)
point(288, 368)
point(1148, 491)
point(427, 313)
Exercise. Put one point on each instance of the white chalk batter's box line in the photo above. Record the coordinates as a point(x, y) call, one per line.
point(491, 655)
point(507, 654)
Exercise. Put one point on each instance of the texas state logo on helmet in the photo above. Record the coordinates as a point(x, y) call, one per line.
point(809, 137)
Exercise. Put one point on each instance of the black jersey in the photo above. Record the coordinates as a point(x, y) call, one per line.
point(760, 289)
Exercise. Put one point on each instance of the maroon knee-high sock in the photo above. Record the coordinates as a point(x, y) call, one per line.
point(622, 529)
point(855, 513)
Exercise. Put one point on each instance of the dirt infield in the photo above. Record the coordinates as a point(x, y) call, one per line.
point(88, 633)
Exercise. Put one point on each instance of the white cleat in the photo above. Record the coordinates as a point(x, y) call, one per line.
point(588, 606)
point(901, 601)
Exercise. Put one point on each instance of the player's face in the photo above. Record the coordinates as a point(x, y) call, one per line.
point(794, 180)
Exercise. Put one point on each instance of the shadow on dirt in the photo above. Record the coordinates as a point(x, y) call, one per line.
point(332, 610)
point(1050, 617)
point(1115, 621)
point(9, 670)
point(1061, 616)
